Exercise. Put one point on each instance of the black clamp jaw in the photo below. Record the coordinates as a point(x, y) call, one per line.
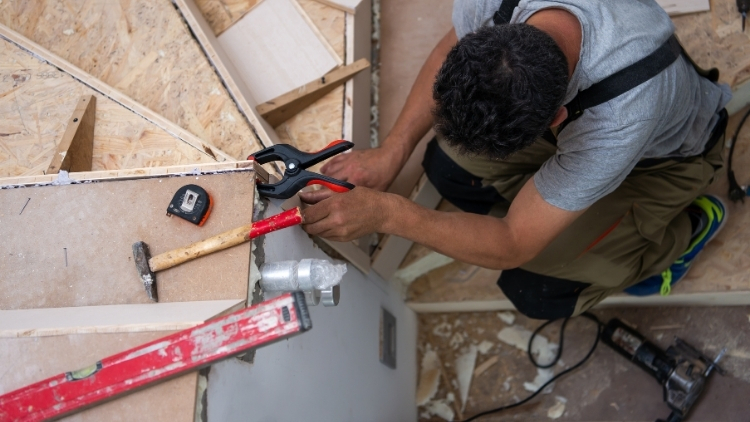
point(295, 176)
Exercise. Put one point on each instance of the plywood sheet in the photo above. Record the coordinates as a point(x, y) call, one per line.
point(71, 245)
point(143, 48)
point(276, 50)
point(36, 101)
point(715, 39)
point(680, 7)
point(221, 14)
point(27, 360)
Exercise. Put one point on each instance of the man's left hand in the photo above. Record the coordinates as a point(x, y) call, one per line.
point(345, 216)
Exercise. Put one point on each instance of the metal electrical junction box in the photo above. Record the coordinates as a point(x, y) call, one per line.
point(387, 339)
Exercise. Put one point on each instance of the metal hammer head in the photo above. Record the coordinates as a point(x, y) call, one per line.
point(141, 256)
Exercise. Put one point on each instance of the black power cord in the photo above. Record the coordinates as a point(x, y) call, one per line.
point(736, 193)
point(588, 315)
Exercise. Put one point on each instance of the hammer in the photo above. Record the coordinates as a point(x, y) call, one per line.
point(147, 266)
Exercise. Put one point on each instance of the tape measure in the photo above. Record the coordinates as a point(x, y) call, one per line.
point(191, 203)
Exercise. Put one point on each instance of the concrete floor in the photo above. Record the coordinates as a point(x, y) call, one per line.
point(607, 388)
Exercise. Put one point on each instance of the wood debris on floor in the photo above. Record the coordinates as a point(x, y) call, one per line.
point(607, 388)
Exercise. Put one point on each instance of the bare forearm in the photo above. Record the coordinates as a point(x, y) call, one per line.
point(476, 239)
point(415, 118)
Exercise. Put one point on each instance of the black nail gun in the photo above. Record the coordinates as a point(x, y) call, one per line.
point(681, 370)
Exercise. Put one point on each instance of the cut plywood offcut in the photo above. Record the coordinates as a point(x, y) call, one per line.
point(173, 316)
point(221, 14)
point(143, 49)
point(275, 49)
point(681, 7)
point(283, 107)
point(36, 102)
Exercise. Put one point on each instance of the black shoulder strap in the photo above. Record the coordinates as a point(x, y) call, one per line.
point(625, 79)
point(505, 12)
point(630, 77)
point(622, 81)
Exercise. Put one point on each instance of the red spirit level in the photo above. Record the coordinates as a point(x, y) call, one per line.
point(159, 360)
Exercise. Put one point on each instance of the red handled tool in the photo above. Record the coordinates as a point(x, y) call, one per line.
point(295, 175)
point(158, 360)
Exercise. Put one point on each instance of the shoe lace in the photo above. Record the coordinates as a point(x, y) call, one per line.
point(713, 211)
point(666, 282)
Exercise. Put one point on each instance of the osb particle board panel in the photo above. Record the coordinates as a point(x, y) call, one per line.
point(36, 101)
point(715, 39)
point(144, 49)
point(322, 122)
point(27, 360)
point(276, 50)
point(221, 14)
point(72, 245)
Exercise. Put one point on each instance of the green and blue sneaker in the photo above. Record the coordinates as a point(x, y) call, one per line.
point(708, 215)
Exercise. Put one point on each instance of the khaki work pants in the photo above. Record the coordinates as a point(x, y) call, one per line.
point(633, 233)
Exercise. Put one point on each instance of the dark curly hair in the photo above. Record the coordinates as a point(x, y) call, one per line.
point(499, 89)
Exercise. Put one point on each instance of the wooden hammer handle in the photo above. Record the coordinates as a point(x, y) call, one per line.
point(225, 240)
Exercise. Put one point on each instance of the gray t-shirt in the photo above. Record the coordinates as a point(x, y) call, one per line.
point(671, 115)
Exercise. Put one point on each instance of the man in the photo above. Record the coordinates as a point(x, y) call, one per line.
point(608, 204)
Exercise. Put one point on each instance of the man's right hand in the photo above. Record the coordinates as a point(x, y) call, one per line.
point(377, 168)
point(372, 168)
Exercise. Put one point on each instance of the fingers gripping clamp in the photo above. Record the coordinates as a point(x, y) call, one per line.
point(295, 175)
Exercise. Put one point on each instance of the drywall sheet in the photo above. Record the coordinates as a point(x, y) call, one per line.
point(71, 245)
point(275, 49)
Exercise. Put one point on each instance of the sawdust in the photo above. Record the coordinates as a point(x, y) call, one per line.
point(485, 365)
point(558, 408)
point(542, 349)
point(429, 378)
point(485, 347)
point(442, 330)
point(507, 317)
point(542, 376)
point(440, 408)
point(456, 340)
point(464, 370)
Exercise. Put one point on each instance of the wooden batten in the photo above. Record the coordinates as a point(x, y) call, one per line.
point(348, 6)
point(139, 173)
point(45, 322)
point(285, 106)
point(75, 152)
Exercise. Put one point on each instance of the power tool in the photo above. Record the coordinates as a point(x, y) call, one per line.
point(743, 6)
point(682, 370)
